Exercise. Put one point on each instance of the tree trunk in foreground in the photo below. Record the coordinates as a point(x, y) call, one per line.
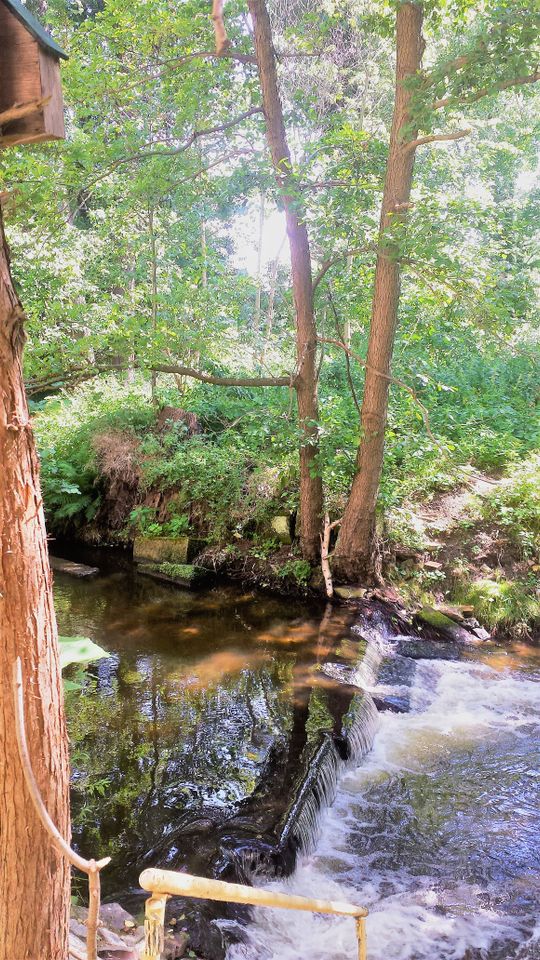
point(311, 496)
point(34, 879)
point(356, 555)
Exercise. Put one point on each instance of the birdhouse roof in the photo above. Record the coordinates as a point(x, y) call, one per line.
point(34, 27)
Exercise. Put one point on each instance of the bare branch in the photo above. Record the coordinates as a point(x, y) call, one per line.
point(80, 374)
point(347, 357)
point(196, 135)
point(323, 184)
point(223, 44)
point(325, 563)
point(435, 138)
point(286, 381)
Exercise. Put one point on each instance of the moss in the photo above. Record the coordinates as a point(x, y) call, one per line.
point(435, 618)
point(178, 571)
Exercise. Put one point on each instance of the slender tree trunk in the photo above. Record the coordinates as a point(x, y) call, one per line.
point(311, 497)
point(356, 554)
point(258, 292)
point(154, 295)
point(274, 267)
point(204, 256)
point(34, 878)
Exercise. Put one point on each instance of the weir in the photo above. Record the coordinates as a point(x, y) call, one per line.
point(317, 789)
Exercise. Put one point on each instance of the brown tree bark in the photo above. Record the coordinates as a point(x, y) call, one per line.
point(34, 878)
point(311, 495)
point(356, 555)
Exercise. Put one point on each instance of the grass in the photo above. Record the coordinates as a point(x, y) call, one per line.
point(503, 605)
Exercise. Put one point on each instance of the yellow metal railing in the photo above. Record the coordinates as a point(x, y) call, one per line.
point(165, 883)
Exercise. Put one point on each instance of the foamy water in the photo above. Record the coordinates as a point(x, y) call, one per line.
point(435, 831)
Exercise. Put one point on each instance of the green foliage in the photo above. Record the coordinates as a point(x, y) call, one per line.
point(79, 650)
point(130, 240)
point(299, 570)
point(515, 505)
point(66, 428)
point(143, 524)
point(503, 604)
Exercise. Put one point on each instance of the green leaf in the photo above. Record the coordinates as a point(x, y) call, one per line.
point(79, 650)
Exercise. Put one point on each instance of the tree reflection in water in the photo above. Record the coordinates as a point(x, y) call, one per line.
point(207, 701)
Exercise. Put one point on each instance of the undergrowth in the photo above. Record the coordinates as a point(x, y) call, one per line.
point(228, 482)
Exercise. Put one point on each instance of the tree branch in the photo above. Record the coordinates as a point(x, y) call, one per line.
point(391, 379)
point(80, 374)
point(347, 357)
point(486, 91)
point(436, 137)
point(323, 184)
point(327, 264)
point(223, 44)
point(196, 135)
point(285, 381)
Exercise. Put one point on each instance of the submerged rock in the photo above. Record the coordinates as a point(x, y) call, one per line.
point(350, 593)
point(78, 570)
point(182, 574)
point(420, 648)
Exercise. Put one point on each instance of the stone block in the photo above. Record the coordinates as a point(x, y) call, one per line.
point(166, 549)
point(281, 528)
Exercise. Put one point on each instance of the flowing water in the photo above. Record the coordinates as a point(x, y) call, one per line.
point(436, 831)
point(242, 736)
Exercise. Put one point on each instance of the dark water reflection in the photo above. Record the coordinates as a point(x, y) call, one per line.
point(179, 726)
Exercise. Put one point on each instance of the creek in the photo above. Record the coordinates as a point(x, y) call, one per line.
point(273, 741)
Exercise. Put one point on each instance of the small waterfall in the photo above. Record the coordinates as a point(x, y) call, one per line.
point(365, 672)
point(318, 787)
point(316, 791)
point(436, 832)
point(360, 725)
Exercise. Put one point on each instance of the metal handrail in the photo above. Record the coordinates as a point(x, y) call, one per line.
point(164, 883)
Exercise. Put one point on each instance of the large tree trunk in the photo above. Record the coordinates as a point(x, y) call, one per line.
point(311, 497)
point(356, 555)
point(34, 879)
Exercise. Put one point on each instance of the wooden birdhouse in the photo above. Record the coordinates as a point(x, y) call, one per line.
point(31, 106)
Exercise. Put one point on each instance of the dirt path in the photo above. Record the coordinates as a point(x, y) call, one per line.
point(447, 510)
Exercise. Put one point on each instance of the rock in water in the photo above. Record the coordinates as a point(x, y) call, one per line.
point(439, 621)
point(73, 569)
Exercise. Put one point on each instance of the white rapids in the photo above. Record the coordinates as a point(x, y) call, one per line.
point(435, 831)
